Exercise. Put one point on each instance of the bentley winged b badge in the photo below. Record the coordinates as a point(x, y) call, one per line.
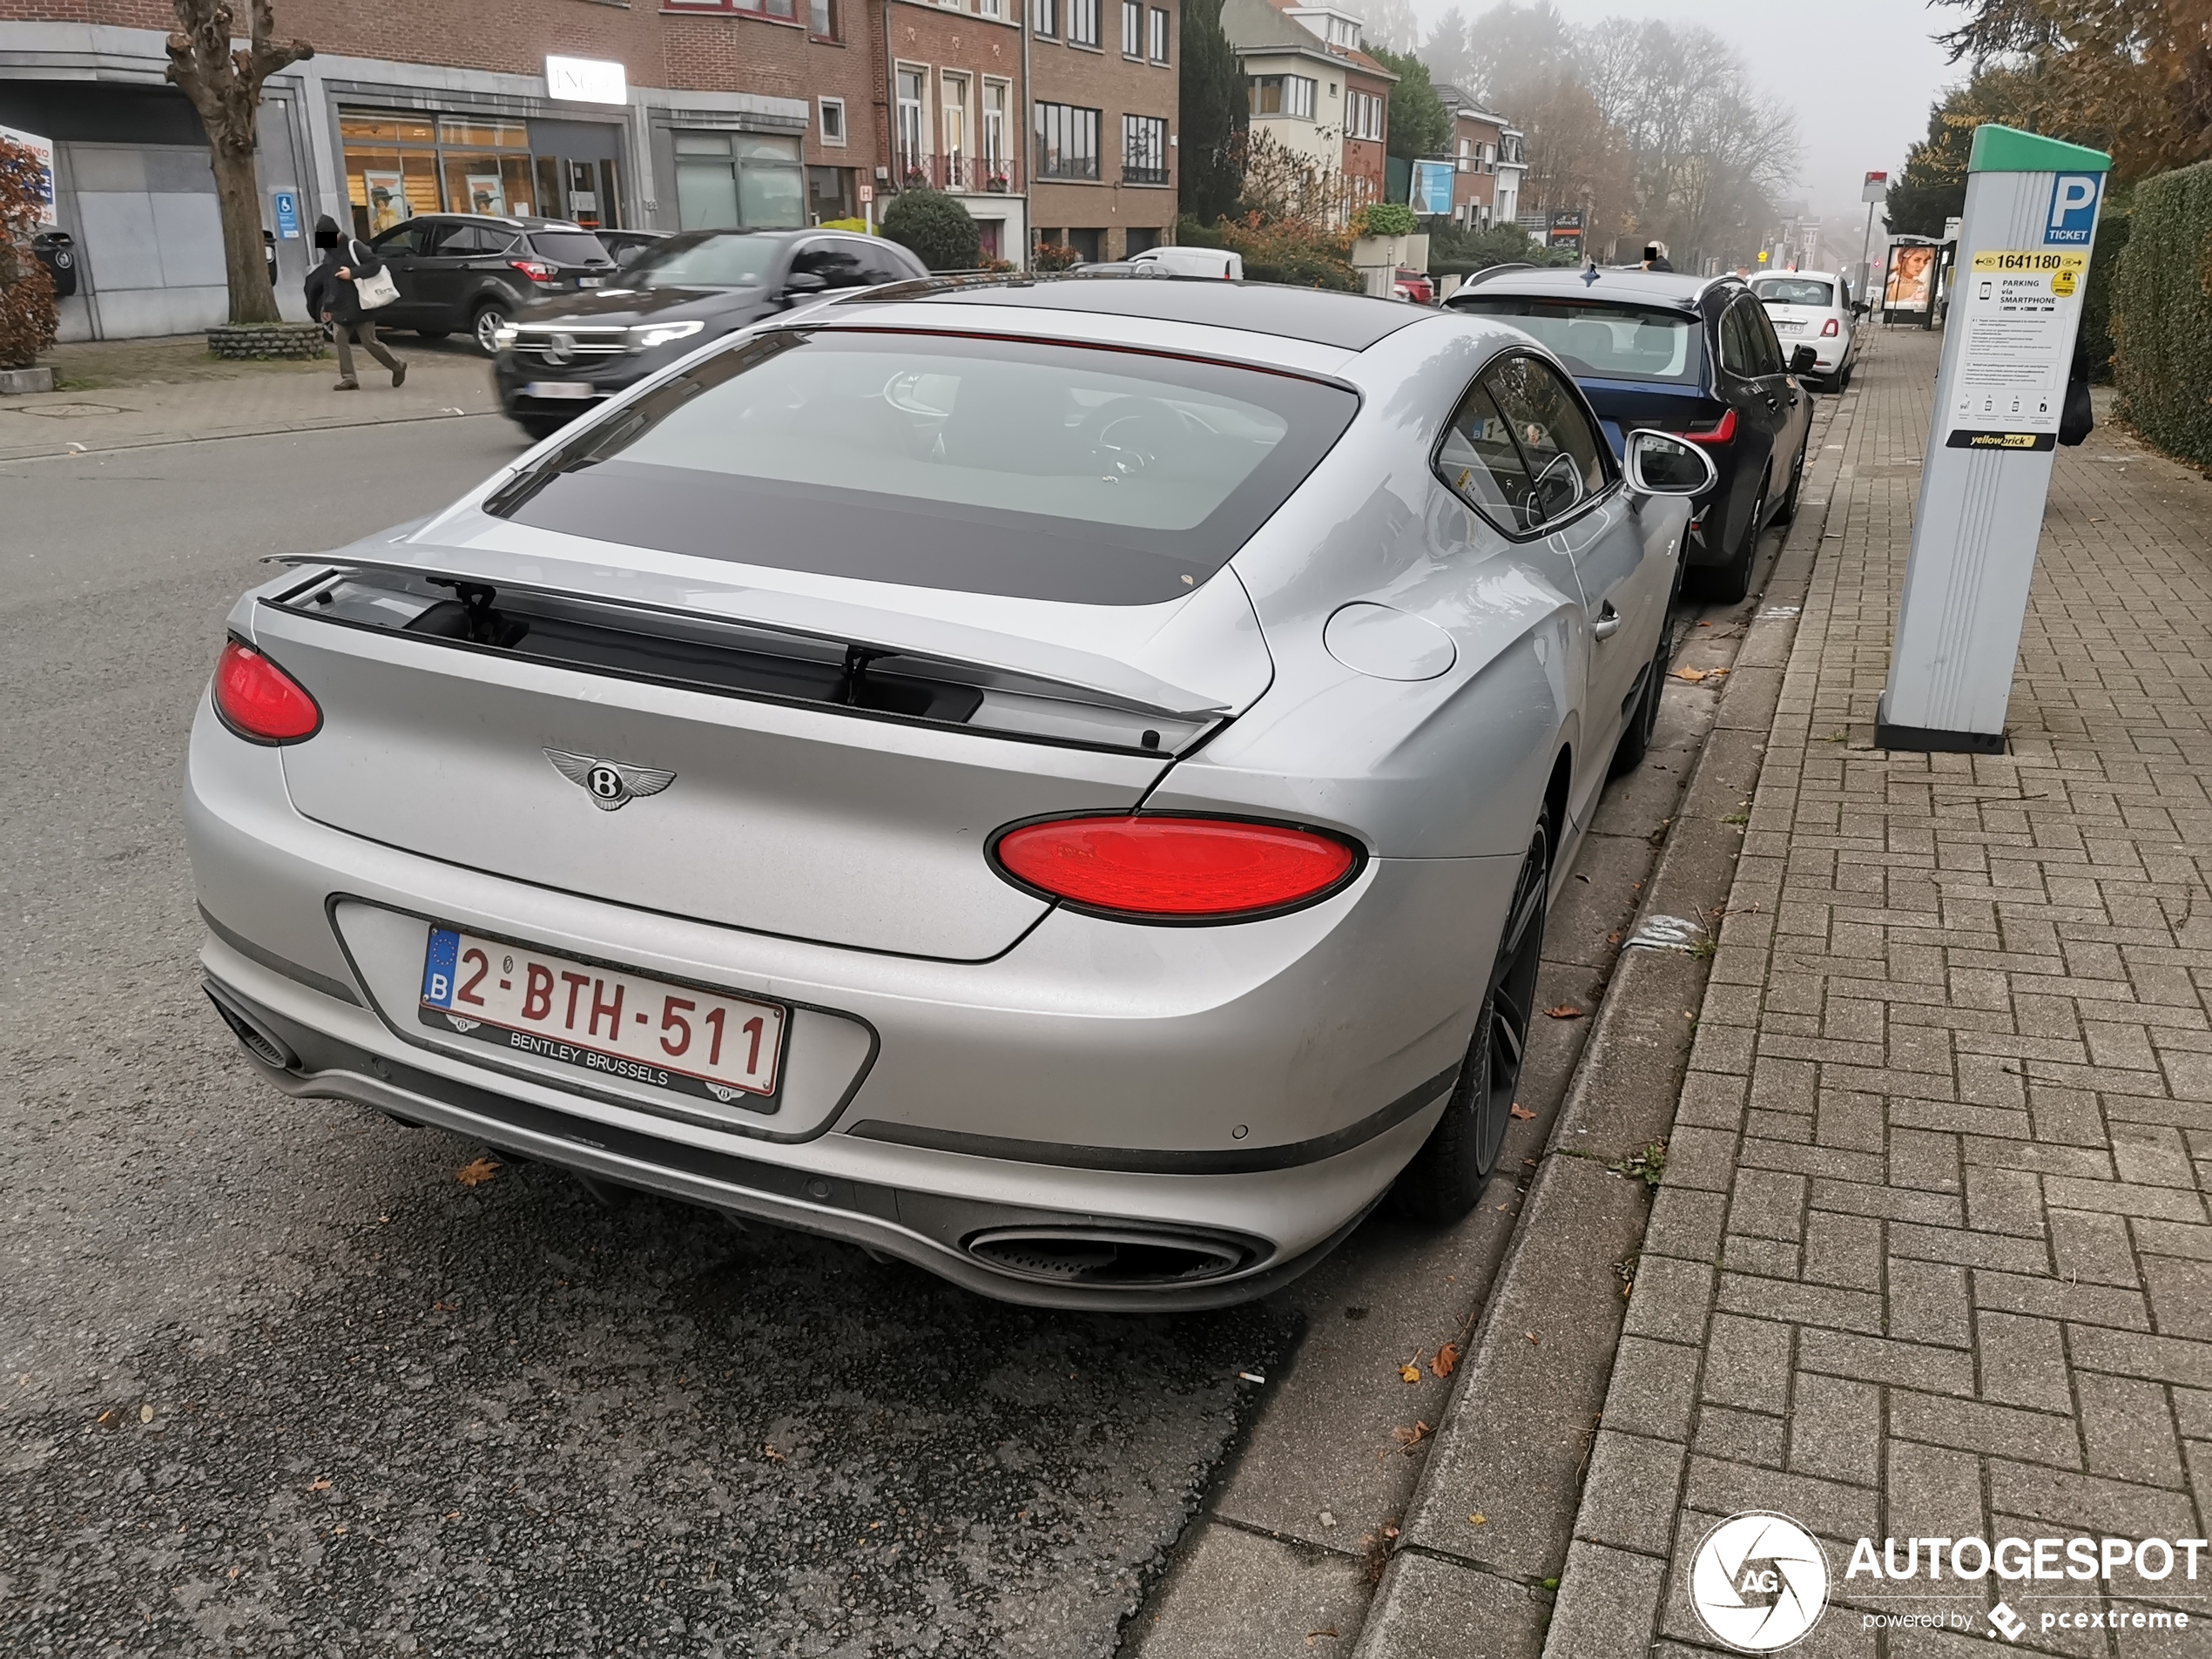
point(609, 783)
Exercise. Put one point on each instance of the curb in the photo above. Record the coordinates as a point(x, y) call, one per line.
point(8, 455)
point(1517, 1438)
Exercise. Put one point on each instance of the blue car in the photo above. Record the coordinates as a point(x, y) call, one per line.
point(1692, 355)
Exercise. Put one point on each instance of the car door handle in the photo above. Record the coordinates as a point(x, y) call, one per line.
point(1608, 622)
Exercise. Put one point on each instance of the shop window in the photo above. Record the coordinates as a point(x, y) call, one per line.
point(742, 180)
point(829, 193)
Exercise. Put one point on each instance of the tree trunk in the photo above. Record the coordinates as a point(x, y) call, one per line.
point(237, 192)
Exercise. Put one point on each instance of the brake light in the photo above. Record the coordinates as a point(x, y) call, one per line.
point(1830, 328)
point(259, 701)
point(536, 270)
point(1175, 869)
point(1724, 432)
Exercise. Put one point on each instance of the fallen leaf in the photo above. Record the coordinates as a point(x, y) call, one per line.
point(1535, 1341)
point(1480, 1520)
point(474, 1175)
point(1312, 1635)
point(322, 1485)
point(1446, 1360)
point(772, 1455)
point(1410, 1438)
point(1521, 1111)
point(1409, 1373)
point(146, 1414)
point(1693, 675)
point(1564, 1011)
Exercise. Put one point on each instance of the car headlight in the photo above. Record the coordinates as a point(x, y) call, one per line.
point(503, 338)
point(645, 336)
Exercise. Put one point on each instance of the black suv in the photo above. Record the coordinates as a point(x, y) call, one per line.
point(564, 355)
point(472, 271)
point(1692, 355)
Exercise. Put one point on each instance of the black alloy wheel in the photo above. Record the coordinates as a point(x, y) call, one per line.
point(1729, 583)
point(1444, 1178)
point(1787, 513)
point(1635, 740)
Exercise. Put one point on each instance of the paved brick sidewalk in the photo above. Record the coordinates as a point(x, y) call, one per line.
point(162, 393)
point(1933, 1257)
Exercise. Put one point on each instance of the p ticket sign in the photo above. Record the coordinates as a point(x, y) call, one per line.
point(2017, 310)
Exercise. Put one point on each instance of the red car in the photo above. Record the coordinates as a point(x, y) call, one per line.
point(1415, 286)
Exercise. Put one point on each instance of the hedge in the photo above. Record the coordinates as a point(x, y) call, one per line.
point(2161, 313)
point(2096, 298)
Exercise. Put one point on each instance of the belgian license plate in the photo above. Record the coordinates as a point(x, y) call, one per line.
point(1789, 329)
point(588, 282)
point(560, 389)
point(619, 1025)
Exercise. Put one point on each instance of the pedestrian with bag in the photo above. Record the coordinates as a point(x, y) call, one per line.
point(343, 291)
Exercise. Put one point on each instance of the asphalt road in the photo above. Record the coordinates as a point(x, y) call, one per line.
point(274, 1381)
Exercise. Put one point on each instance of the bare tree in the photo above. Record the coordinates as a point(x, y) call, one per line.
point(225, 86)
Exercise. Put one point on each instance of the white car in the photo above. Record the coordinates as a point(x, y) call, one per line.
point(1813, 308)
point(1215, 262)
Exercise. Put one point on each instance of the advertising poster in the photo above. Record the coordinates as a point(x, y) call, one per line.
point(1432, 187)
point(387, 193)
point(43, 149)
point(1911, 274)
point(487, 193)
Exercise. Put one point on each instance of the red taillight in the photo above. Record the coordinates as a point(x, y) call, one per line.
point(1724, 433)
point(1175, 868)
point(536, 270)
point(259, 701)
point(1830, 329)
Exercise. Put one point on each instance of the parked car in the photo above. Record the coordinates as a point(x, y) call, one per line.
point(469, 273)
point(623, 247)
point(1058, 781)
point(559, 358)
point(1414, 286)
point(1689, 354)
point(1216, 262)
point(1813, 308)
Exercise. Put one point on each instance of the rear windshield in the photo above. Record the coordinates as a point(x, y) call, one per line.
point(1604, 341)
point(705, 260)
point(1025, 468)
point(1794, 290)
point(570, 248)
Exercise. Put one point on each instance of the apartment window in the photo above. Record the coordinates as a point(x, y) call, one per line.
point(952, 110)
point(833, 121)
point(1363, 116)
point(782, 10)
point(1044, 18)
point(997, 95)
point(1082, 23)
point(821, 22)
point(1284, 94)
point(1132, 28)
point(1489, 158)
point(1466, 156)
point(913, 158)
point(1144, 150)
point(987, 8)
point(1159, 36)
point(1067, 142)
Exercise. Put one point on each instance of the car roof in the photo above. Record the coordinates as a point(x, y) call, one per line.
point(1599, 283)
point(505, 221)
point(1348, 321)
point(1825, 276)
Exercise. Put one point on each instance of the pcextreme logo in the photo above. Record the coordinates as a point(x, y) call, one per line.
point(1759, 1582)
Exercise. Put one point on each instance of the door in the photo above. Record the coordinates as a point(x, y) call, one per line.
point(1790, 400)
point(400, 248)
point(437, 273)
point(1751, 367)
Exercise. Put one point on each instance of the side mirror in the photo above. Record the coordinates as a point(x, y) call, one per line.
point(1804, 361)
point(804, 284)
point(1659, 463)
point(1860, 308)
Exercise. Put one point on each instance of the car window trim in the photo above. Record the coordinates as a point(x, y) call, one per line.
point(1613, 474)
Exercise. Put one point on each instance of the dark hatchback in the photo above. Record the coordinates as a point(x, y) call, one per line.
point(1692, 355)
point(469, 273)
point(562, 356)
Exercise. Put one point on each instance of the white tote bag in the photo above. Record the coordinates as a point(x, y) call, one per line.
point(376, 290)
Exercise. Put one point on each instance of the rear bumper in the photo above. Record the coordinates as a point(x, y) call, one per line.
point(1264, 1083)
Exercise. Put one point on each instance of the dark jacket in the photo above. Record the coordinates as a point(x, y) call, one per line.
point(327, 291)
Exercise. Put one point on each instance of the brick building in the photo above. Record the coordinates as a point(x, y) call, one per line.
point(1488, 162)
point(682, 114)
point(1104, 82)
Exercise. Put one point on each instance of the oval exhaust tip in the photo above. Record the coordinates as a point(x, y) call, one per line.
point(1107, 1256)
point(265, 1046)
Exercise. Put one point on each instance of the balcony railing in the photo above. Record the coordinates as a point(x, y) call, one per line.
point(962, 175)
point(1134, 175)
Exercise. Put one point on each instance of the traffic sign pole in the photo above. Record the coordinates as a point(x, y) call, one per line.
point(2021, 263)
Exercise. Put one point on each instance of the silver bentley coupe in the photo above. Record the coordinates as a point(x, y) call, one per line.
point(1059, 781)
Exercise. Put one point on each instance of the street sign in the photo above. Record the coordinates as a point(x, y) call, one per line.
point(2007, 350)
point(1566, 228)
point(868, 194)
point(286, 205)
point(1951, 229)
point(1876, 186)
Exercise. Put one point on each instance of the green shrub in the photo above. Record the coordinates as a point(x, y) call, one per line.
point(2161, 313)
point(2096, 298)
point(1053, 256)
point(1388, 219)
point(936, 227)
point(1295, 251)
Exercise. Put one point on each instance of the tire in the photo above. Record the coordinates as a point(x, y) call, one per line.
point(1843, 381)
point(432, 334)
point(540, 426)
point(483, 323)
point(1635, 741)
point(1727, 583)
point(1787, 513)
point(1444, 1178)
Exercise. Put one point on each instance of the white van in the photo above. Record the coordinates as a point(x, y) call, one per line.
point(1194, 262)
